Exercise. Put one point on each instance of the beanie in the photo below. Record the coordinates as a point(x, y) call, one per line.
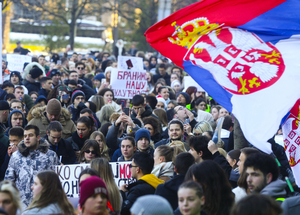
point(17, 74)
point(158, 206)
point(54, 72)
point(53, 107)
point(161, 99)
point(4, 105)
point(109, 68)
point(186, 96)
point(99, 77)
point(77, 93)
point(142, 133)
point(174, 83)
point(90, 186)
point(36, 72)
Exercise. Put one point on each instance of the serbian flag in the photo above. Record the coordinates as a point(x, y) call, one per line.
point(245, 54)
point(291, 137)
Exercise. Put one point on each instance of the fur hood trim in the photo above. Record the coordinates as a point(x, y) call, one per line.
point(38, 112)
point(43, 147)
point(29, 67)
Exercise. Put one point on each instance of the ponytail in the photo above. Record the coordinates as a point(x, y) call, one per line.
point(169, 153)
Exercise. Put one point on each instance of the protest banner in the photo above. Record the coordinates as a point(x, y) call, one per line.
point(69, 175)
point(16, 62)
point(128, 83)
point(133, 63)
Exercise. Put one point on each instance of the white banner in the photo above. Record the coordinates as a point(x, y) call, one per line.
point(133, 63)
point(16, 62)
point(127, 83)
point(69, 175)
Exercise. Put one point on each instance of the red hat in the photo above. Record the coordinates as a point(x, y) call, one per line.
point(90, 186)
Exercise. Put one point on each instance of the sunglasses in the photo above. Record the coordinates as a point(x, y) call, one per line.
point(88, 152)
point(80, 68)
point(130, 166)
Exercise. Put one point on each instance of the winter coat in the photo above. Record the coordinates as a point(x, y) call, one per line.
point(169, 190)
point(27, 100)
point(33, 86)
point(4, 143)
point(88, 81)
point(40, 120)
point(144, 186)
point(29, 67)
point(24, 165)
point(291, 205)
point(48, 210)
point(275, 189)
point(43, 92)
point(164, 170)
point(64, 151)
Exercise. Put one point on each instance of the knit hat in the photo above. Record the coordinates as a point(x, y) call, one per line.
point(77, 93)
point(4, 105)
point(99, 77)
point(142, 133)
point(161, 99)
point(54, 72)
point(151, 205)
point(53, 107)
point(109, 68)
point(36, 72)
point(90, 186)
point(186, 96)
point(174, 83)
point(17, 74)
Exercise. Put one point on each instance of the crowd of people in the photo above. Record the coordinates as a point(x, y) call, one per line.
point(63, 111)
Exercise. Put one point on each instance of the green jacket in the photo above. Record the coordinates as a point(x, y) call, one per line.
point(27, 100)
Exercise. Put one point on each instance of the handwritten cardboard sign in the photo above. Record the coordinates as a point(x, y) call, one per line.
point(16, 62)
point(128, 83)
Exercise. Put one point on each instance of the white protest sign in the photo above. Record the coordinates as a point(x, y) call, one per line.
point(128, 83)
point(190, 82)
point(16, 62)
point(69, 175)
point(133, 63)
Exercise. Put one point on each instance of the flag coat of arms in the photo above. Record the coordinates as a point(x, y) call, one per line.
point(243, 53)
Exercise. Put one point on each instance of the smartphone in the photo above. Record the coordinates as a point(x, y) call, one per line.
point(186, 121)
point(66, 96)
point(103, 81)
point(126, 111)
point(59, 62)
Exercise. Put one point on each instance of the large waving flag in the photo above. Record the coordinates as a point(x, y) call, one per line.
point(291, 137)
point(245, 54)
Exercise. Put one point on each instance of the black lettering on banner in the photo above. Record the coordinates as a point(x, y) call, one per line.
point(75, 171)
point(67, 170)
point(58, 170)
point(75, 186)
point(66, 185)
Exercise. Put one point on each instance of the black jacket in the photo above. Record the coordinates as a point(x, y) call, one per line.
point(33, 86)
point(64, 151)
point(221, 160)
point(135, 190)
point(166, 77)
point(43, 92)
point(169, 190)
point(87, 81)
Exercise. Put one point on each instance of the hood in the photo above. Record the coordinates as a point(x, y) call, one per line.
point(39, 112)
point(152, 180)
point(40, 98)
point(43, 147)
point(29, 67)
point(275, 188)
point(11, 113)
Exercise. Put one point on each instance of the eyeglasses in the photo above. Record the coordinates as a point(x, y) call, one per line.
point(80, 68)
point(88, 152)
point(130, 166)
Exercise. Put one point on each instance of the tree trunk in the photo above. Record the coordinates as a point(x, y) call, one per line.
point(239, 138)
point(73, 25)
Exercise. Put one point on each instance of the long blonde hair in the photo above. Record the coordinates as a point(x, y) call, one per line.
point(105, 151)
point(102, 166)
